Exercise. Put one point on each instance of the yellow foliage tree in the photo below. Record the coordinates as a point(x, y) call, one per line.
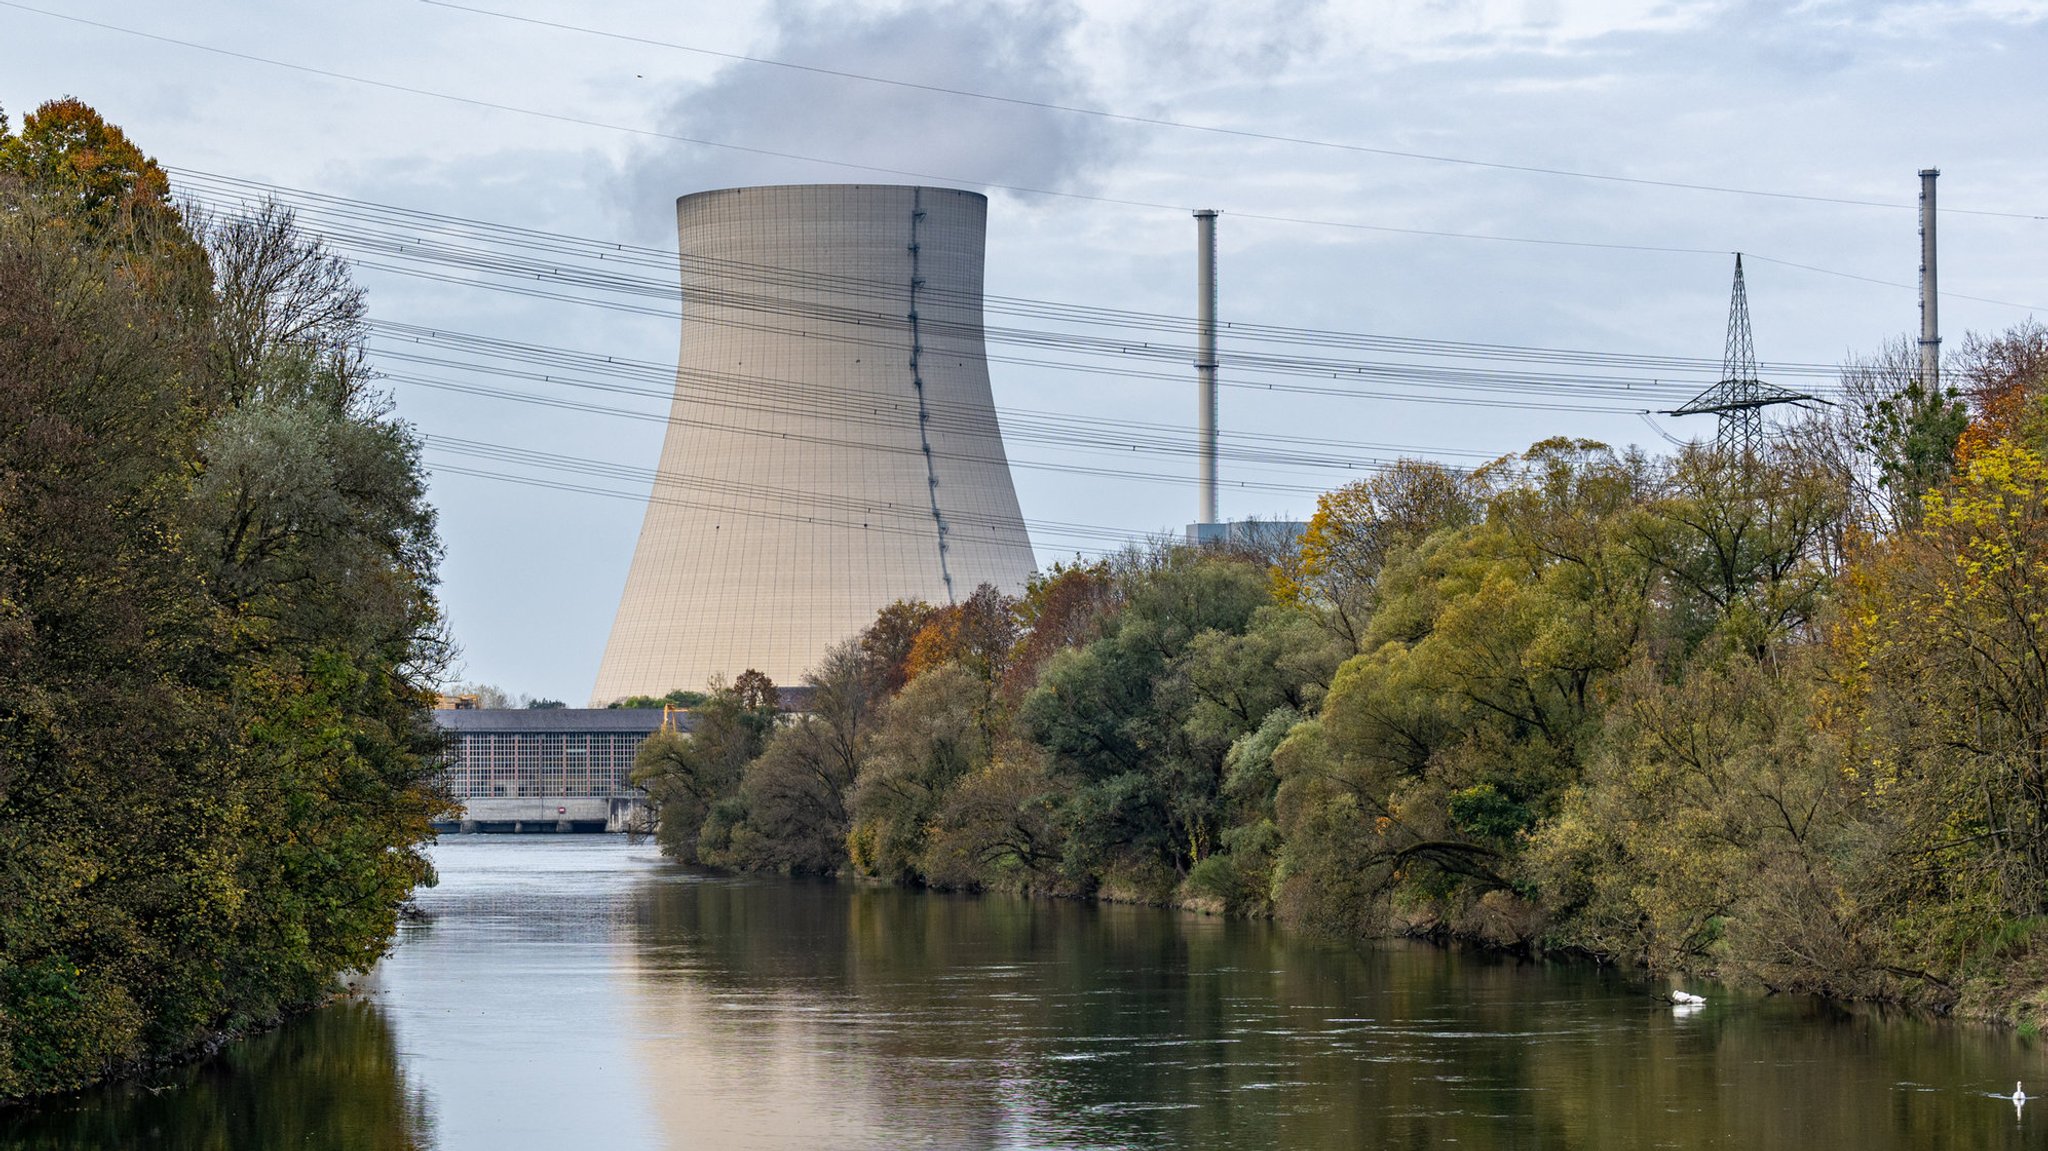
point(1356, 527)
point(1943, 650)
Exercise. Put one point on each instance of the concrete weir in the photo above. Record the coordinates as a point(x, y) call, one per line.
point(544, 813)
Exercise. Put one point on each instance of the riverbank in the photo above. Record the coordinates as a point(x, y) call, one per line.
point(1713, 713)
point(2014, 999)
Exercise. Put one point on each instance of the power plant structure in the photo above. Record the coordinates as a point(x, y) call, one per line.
point(1930, 293)
point(1209, 528)
point(832, 444)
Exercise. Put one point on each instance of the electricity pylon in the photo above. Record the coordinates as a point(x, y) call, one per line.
point(1740, 397)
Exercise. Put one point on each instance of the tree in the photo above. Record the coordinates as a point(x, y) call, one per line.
point(932, 733)
point(1745, 545)
point(107, 638)
point(1142, 792)
point(95, 175)
point(1063, 608)
point(692, 780)
point(1944, 663)
point(2003, 379)
point(217, 636)
point(885, 645)
point(995, 827)
point(1475, 702)
point(1358, 526)
point(976, 633)
point(1708, 831)
point(283, 303)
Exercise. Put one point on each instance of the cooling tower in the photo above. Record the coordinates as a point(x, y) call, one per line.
point(832, 445)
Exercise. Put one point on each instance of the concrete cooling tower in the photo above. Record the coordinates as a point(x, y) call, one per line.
point(832, 445)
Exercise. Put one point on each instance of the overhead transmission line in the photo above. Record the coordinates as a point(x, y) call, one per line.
point(212, 189)
point(562, 278)
point(831, 408)
point(565, 261)
point(479, 248)
point(772, 501)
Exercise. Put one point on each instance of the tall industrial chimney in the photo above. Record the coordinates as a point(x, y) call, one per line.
point(1930, 319)
point(1205, 360)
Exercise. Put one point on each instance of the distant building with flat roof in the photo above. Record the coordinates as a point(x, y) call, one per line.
point(535, 768)
point(1256, 535)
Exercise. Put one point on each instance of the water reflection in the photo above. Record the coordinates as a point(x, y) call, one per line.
point(329, 1082)
point(804, 1015)
point(575, 992)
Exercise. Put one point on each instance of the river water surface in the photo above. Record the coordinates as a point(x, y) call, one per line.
point(577, 991)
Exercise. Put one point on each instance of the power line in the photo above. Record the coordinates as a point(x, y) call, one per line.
point(1249, 369)
point(1894, 283)
point(615, 282)
point(613, 254)
point(747, 391)
point(837, 441)
point(661, 380)
point(767, 500)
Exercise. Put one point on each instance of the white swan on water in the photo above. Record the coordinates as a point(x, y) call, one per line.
point(1687, 999)
point(2019, 1094)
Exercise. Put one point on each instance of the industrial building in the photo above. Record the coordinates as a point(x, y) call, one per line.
point(560, 769)
point(832, 442)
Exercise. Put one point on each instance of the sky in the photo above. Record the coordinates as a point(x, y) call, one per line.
point(1554, 174)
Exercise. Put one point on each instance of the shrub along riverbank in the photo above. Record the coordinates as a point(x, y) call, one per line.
point(1782, 719)
point(217, 630)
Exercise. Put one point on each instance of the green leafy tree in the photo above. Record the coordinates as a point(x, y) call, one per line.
point(1144, 795)
point(688, 776)
point(1359, 526)
point(932, 733)
point(216, 765)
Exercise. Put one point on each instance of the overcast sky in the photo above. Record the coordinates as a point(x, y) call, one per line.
point(1837, 101)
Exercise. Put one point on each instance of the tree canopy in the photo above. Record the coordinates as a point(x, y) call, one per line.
point(217, 623)
point(1777, 717)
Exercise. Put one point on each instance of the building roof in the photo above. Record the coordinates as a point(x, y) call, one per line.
point(554, 720)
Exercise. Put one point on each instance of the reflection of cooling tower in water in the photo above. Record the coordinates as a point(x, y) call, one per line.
point(832, 446)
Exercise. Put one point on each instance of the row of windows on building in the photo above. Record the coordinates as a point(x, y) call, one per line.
point(488, 765)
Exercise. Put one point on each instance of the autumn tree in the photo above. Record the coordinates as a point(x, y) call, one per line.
point(1357, 527)
point(1064, 607)
point(1942, 662)
point(886, 644)
point(976, 633)
point(932, 733)
point(692, 777)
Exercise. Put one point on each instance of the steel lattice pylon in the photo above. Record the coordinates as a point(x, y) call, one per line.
point(1740, 397)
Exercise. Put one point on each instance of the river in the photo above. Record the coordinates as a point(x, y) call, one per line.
point(577, 991)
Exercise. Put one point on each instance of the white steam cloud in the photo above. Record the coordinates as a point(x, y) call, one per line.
point(1019, 51)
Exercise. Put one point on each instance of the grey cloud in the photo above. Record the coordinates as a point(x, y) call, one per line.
point(1250, 39)
point(1019, 51)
